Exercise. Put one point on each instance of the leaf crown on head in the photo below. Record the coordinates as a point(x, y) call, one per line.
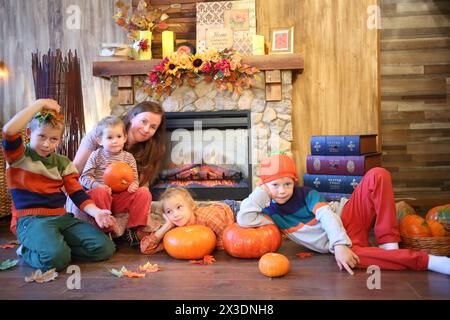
point(49, 116)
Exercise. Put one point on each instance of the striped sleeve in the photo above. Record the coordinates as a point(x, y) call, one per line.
point(87, 178)
point(129, 158)
point(13, 147)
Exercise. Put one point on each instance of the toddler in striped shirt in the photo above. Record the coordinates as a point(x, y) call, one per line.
point(130, 207)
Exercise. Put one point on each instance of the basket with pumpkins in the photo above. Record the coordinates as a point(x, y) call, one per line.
point(431, 233)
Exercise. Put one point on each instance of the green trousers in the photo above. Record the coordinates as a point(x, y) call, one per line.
point(53, 241)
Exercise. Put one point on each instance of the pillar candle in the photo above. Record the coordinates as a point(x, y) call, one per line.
point(258, 45)
point(167, 43)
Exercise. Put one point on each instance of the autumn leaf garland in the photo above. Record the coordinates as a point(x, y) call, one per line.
point(224, 68)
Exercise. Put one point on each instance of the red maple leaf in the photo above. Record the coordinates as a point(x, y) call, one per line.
point(7, 246)
point(303, 255)
point(206, 260)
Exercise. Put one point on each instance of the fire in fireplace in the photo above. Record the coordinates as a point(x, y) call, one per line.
point(208, 153)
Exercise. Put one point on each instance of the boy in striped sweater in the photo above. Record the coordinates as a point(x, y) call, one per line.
point(37, 178)
point(130, 207)
point(340, 227)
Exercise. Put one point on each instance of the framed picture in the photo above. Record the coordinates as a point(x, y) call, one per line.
point(282, 40)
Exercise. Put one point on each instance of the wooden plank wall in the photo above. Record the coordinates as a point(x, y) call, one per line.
point(338, 91)
point(29, 25)
point(415, 105)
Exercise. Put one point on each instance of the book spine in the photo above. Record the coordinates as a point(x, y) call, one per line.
point(345, 165)
point(329, 196)
point(335, 145)
point(332, 183)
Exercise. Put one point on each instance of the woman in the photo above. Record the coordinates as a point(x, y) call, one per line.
point(145, 125)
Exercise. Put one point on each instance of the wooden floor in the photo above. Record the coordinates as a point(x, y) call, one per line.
point(228, 278)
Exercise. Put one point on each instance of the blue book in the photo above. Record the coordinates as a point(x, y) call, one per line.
point(343, 145)
point(332, 182)
point(329, 196)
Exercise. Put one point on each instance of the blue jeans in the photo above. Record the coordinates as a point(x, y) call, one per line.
point(52, 241)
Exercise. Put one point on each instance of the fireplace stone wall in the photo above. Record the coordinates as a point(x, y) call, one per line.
point(271, 120)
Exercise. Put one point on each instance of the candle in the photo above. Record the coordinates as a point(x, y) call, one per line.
point(258, 45)
point(167, 43)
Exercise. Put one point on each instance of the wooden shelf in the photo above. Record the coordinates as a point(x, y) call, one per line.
point(109, 69)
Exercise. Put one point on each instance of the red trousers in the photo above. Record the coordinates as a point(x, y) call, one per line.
point(137, 204)
point(372, 204)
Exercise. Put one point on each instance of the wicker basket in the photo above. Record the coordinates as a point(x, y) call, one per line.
point(5, 197)
point(439, 246)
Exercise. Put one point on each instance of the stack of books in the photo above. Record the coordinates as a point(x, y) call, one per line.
point(338, 163)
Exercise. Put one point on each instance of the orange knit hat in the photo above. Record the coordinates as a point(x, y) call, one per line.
point(277, 166)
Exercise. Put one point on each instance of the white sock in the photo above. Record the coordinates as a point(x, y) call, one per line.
point(439, 264)
point(19, 250)
point(389, 246)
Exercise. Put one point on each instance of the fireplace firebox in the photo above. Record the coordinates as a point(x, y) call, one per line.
point(208, 153)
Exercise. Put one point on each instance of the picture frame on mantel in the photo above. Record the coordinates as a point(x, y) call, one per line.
point(281, 40)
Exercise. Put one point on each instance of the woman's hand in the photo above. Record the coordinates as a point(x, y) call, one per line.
point(345, 257)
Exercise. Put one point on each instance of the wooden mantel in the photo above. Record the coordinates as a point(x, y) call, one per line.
point(108, 69)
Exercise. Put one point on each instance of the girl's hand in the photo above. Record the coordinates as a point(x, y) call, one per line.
point(168, 224)
point(132, 188)
point(345, 258)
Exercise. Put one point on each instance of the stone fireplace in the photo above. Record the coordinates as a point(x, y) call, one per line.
point(268, 103)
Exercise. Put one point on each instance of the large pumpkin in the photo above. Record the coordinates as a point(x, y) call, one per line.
point(439, 213)
point(251, 242)
point(118, 176)
point(273, 265)
point(414, 226)
point(189, 242)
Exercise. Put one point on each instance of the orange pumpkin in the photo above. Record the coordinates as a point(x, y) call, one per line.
point(414, 226)
point(190, 242)
point(273, 265)
point(439, 213)
point(437, 229)
point(242, 242)
point(118, 176)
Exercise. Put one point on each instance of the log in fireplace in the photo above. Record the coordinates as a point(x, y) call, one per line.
point(208, 153)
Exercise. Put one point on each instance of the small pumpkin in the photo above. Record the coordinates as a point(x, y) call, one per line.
point(242, 242)
point(439, 213)
point(273, 265)
point(403, 208)
point(437, 229)
point(118, 176)
point(414, 226)
point(190, 242)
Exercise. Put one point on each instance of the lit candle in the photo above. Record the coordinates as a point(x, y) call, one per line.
point(167, 43)
point(4, 73)
point(258, 45)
